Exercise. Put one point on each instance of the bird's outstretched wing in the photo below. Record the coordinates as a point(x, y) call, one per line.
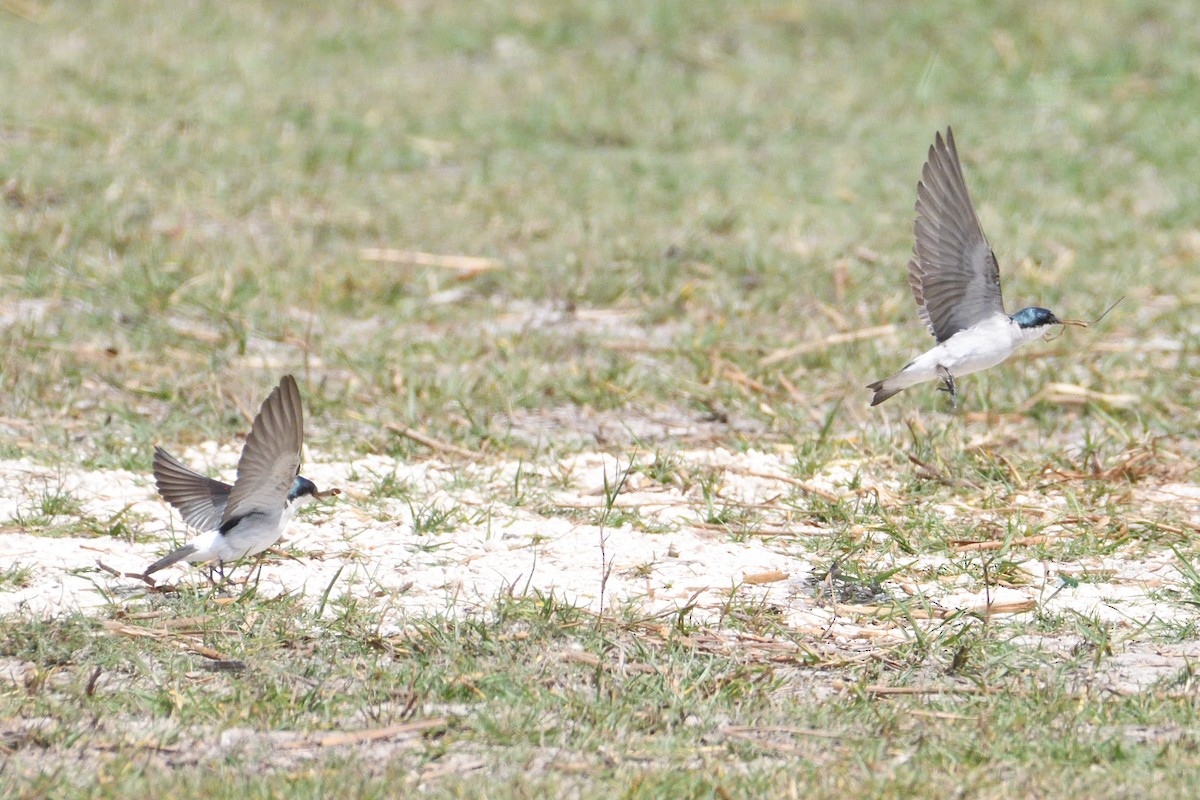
point(270, 460)
point(953, 272)
point(200, 500)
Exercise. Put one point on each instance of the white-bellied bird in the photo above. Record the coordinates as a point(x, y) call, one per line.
point(956, 282)
point(248, 517)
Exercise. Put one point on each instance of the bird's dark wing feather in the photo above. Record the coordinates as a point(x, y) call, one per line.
point(953, 272)
point(200, 500)
point(270, 460)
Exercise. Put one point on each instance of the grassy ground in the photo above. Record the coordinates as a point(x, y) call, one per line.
point(670, 194)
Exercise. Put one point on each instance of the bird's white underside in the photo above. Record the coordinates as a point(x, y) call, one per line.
point(249, 537)
point(985, 344)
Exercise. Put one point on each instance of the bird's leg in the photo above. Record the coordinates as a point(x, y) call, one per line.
point(948, 385)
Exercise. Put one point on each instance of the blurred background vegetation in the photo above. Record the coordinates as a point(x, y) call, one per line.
point(666, 193)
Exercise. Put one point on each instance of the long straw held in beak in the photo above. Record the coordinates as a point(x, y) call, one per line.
point(1079, 323)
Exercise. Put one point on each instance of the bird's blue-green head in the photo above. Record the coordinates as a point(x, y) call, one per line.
point(1035, 317)
point(302, 487)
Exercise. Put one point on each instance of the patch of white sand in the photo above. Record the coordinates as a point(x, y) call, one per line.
point(525, 528)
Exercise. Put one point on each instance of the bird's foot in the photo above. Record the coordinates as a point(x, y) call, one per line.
point(948, 385)
point(216, 573)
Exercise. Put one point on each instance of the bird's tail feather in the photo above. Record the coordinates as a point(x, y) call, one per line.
point(171, 558)
point(883, 391)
